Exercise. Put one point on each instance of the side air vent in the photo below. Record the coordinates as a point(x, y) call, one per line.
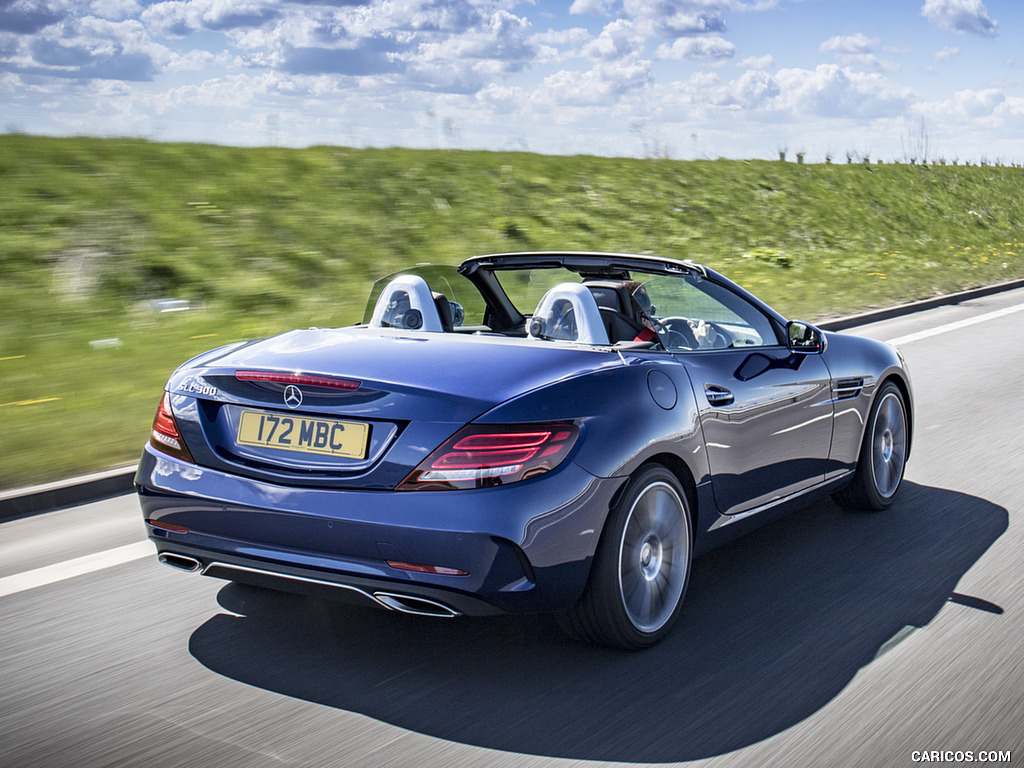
point(844, 389)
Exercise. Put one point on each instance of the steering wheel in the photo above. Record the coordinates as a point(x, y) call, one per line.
point(684, 328)
point(677, 333)
point(723, 338)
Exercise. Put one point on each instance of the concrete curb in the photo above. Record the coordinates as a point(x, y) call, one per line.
point(80, 490)
point(877, 315)
point(65, 493)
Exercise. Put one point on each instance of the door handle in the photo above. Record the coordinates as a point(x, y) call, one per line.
point(717, 395)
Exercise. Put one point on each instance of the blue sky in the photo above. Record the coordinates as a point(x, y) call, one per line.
point(924, 79)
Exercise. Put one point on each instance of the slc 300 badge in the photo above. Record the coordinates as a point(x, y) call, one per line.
point(194, 387)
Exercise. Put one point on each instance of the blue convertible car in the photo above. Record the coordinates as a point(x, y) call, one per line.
point(557, 432)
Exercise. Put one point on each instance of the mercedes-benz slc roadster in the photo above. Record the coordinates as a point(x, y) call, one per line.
point(529, 432)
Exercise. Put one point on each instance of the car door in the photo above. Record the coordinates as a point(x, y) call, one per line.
point(765, 411)
point(766, 415)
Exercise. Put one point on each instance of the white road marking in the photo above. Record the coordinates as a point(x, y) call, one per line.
point(955, 326)
point(79, 566)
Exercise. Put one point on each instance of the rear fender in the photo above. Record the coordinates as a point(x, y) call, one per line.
point(628, 414)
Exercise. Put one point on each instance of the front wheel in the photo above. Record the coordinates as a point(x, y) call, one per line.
point(883, 454)
point(641, 567)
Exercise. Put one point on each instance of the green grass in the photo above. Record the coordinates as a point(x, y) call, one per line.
point(261, 240)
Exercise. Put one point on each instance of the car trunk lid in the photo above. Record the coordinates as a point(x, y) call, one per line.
point(353, 407)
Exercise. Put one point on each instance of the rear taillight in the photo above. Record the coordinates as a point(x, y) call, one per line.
point(482, 456)
point(165, 435)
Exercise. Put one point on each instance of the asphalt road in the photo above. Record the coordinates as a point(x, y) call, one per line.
point(827, 638)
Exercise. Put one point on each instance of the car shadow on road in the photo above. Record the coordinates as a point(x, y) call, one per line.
point(775, 626)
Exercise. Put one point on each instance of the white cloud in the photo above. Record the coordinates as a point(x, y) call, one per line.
point(706, 50)
point(677, 18)
point(572, 88)
point(828, 91)
point(90, 48)
point(501, 100)
point(30, 16)
point(854, 44)
point(960, 16)
point(835, 92)
point(559, 45)
point(238, 91)
point(464, 63)
point(601, 85)
point(947, 55)
point(969, 105)
point(858, 50)
point(597, 7)
point(194, 61)
point(758, 62)
point(616, 40)
point(115, 10)
point(1011, 110)
point(502, 38)
point(177, 18)
point(575, 36)
point(754, 89)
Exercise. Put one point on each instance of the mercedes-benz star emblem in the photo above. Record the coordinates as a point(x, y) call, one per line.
point(292, 396)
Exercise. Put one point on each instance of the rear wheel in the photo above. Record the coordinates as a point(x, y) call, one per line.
point(883, 454)
point(641, 567)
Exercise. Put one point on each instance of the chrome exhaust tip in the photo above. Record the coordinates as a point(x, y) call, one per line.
point(417, 606)
point(181, 562)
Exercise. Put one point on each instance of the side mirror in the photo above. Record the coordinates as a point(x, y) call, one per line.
point(804, 339)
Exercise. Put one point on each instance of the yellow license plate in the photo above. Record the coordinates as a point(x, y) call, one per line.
point(328, 437)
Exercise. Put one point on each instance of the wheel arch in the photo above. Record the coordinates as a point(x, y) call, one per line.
point(681, 470)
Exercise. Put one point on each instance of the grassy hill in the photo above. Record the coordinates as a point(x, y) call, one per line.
point(92, 232)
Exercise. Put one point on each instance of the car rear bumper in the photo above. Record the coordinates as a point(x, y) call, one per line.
point(525, 547)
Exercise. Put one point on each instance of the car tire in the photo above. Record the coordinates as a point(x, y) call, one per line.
point(641, 568)
point(883, 454)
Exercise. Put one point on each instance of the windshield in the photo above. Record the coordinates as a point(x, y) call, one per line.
point(693, 313)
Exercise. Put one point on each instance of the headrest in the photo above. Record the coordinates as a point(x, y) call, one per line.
point(407, 303)
point(568, 312)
